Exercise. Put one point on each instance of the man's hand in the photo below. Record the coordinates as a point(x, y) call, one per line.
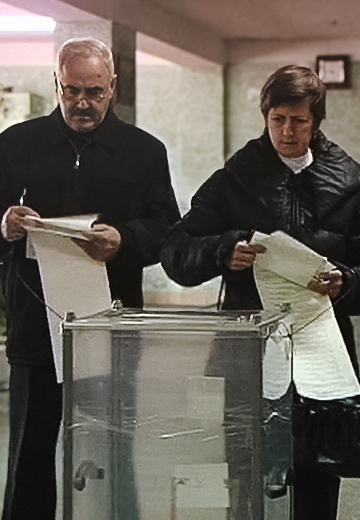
point(102, 244)
point(14, 223)
point(244, 255)
point(327, 284)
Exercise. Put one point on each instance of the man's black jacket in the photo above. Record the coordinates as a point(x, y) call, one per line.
point(123, 175)
point(255, 190)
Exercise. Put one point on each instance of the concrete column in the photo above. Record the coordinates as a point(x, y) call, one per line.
point(124, 47)
point(121, 40)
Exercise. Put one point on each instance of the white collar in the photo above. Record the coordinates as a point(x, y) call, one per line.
point(297, 164)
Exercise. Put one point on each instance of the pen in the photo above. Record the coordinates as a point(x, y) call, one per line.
point(21, 201)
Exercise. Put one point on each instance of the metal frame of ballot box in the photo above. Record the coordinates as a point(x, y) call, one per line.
point(177, 415)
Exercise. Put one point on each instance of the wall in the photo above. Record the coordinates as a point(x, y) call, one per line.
point(36, 80)
point(27, 65)
point(183, 107)
point(342, 124)
point(182, 104)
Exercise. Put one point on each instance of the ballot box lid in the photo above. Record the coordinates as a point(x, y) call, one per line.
point(183, 318)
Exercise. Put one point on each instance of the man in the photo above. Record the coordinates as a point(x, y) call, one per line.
point(79, 160)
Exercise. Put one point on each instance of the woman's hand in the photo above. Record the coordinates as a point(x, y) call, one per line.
point(327, 284)
point(244, 255)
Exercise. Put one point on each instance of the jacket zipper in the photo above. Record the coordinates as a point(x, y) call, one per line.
point(293, 211)
point(78, 153)
point(295, 214)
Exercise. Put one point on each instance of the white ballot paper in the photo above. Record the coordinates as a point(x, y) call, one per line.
point(321, 365)
point(67, 226)
point(71, 280)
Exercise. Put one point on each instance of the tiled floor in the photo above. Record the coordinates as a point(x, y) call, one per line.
point(349, 505)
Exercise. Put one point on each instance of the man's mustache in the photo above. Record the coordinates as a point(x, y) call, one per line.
point(83, 113)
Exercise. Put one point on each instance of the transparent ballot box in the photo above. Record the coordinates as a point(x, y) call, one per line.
point(177, 415)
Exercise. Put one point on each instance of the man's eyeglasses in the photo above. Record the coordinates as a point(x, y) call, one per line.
point(96, 94)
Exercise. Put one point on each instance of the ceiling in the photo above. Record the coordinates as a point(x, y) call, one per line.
point(10, 10)
point(211, 28)
point(57, 9)
point(232, 19)
point(275, 19)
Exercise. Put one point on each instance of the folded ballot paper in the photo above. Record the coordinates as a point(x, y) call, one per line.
point(73, 226)
point(71, 280)
point(321, 365)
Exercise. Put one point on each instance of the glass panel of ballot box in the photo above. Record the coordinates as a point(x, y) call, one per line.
point(177, 415)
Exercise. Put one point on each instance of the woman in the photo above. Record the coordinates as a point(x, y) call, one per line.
point(291, 179)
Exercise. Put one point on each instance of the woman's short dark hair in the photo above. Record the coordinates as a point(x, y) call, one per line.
point(292, 84)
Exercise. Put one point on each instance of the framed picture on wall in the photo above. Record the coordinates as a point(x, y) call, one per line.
point(334, 71)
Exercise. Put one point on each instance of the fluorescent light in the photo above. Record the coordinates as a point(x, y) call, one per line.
point(27, 24)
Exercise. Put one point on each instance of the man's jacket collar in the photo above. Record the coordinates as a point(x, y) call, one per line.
point(108, 134)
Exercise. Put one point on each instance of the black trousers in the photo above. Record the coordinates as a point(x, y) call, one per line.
point(316, 494)
point(35, 418)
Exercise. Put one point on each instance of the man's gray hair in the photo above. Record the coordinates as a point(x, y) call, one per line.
point(85, 47)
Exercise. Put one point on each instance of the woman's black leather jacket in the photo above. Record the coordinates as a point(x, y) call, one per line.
point(255, 190)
